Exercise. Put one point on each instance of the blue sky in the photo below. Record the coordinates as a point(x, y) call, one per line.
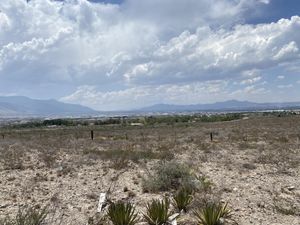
point(114, 54)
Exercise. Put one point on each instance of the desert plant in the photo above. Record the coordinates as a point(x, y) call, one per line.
point(168, 176)
point(212, 214)
point(121, 213)
point(183, 198)
point(98, 220)
point(204, 183)
point(157, 212)
point(13, 159)
point(28, 216)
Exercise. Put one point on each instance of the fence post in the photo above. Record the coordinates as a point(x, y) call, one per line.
point(211, 136)
point(92, 134)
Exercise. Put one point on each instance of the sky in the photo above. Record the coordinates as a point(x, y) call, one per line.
point(127, 54)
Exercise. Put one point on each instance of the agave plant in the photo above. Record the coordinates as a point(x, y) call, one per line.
point(212, 214)
point(121, 213)
point(27, 216)
point(183, 198)
point(157, 212)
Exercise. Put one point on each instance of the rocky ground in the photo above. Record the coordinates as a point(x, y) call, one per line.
point(253, 164)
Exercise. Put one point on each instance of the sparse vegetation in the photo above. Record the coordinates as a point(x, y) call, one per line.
point(212, 214)
point(168, 176)
point(121, 213)
point(157, 212)
point(183, 198)
point(62, 165)
point(28, 216)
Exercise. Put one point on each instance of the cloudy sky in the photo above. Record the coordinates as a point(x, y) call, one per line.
point(126, 54)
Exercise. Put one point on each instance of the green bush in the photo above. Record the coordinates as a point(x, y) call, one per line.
point(121, 213)
point(168, 176)
point(212, 214)
point(183, 198)
point(157, 212)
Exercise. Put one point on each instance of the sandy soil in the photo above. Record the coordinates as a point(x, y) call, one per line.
point(253, 164)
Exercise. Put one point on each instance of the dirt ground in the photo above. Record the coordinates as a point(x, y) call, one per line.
point(253, 164)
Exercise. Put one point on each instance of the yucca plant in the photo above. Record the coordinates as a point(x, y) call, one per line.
point(212, 214)
point(157, 212)
point(183, 198)
point(28, 216)
point(121, 213)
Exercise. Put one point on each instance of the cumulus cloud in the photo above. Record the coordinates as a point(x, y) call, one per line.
point(136, 97)
point(4, 21)
point(103, 55)
point(283, 86)
point(173, 16)
point(251, 80)
point(207, 54)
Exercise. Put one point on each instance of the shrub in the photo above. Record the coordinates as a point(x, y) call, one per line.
point(168, 176)
point(12, 158)
point(183, 198)
point(205, 184)
point(121, 213)
point(120, 158)
point(98, 220)
point(28, 216)
point(157, 212)
point(212, 214)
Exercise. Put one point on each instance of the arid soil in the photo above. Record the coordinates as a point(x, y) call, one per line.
point(253, 164)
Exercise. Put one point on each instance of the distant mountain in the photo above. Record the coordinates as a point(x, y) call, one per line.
point(19, 106)
point(231, 105)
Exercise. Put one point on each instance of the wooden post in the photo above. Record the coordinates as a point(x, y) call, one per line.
point(92, 134)
point(211, 136)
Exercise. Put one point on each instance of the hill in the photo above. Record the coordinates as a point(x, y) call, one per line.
point(19, 106)
point(231, 105)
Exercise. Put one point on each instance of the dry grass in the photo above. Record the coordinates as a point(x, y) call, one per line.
point(246, 163)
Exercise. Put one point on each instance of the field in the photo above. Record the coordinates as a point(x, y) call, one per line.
point(252, 163)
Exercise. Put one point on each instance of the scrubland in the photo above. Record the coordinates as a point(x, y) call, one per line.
point(252, 165)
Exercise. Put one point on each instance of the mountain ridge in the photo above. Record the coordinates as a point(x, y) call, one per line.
point(234, 105)
point(20, 106)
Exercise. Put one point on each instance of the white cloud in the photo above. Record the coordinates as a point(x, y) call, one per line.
point(289, 50)
point(280, 77)
point(138, 48)
point(265, 1)
point(283, 86)
point(173, 16)
point(207, 54)
point(4, 21)
point(137, 97)
point(251, 92)
point(251, 80)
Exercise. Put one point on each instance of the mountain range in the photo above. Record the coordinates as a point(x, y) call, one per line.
point(20, 106)
point(231, 105)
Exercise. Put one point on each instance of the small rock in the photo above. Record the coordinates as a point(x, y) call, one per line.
point(291, 188)
point(261, 204)
point(4, 206)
